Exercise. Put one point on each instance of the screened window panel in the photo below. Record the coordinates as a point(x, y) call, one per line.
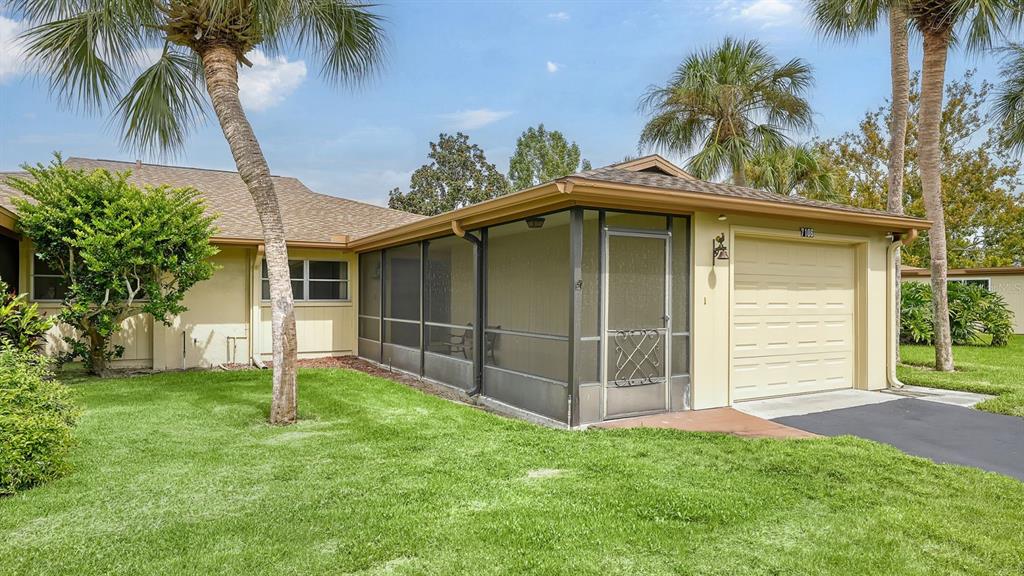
point(47, 281)
point(680, 355)
point(325, 270)
point(450, 296)
point(402, 282)
point(636, 282)
point(327, 291)
point(402, 334)
point(536, 356)
point(454, 342)
point(49, 288)
point(591, 307)
point(680, 274)
point(369, 328)
point(636, 221)
point(298, 290)
point(528, 279)
point(369, 284)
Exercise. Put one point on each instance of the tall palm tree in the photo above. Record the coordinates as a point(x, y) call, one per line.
point(975, 24)
point(848, 19)
point(727, 104)
point(100, 53)
point(1009, 104)
point(792, 170)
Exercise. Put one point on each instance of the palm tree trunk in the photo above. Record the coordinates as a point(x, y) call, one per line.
point(933, 71)
point(221, 67)
point(900, 74)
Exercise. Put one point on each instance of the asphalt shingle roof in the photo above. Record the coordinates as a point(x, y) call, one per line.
point(615, 175)
point(308, 216)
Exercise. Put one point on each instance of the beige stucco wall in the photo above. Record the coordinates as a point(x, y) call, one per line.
point(712, 299)
point(322, 328)
point(136, 334)
point(1009, 286)
point(225, 322)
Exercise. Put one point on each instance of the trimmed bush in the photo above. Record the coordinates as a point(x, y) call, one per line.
point(22, 325)
point(36, 418)
point(973, 312)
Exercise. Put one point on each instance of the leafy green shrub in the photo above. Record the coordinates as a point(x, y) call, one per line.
point(22, 326)
point(36, 417)
point(973, 311)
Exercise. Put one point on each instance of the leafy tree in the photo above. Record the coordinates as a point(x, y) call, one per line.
point(542, 156)
point(725, 106)
point(97, 53)
point(942, 24)
point(458, 175)
point(791, 171)
point(122, 250)
point(980, 177)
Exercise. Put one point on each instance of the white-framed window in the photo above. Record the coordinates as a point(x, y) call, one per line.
point(313, 280)
point(985, 283)
point(48, 284)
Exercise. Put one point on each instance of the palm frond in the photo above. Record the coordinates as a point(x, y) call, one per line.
point(346, 37)
point(1008, 109)
point(163, 105)
point(844, 20)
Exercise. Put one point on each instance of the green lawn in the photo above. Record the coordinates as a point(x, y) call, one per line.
point(179, 474)
point(998, 371)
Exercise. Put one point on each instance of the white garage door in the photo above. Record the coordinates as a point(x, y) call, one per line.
point(792, 317)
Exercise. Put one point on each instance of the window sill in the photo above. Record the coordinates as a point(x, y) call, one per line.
point(314, 303)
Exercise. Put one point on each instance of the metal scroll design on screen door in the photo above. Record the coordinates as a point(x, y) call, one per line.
point(637, 361)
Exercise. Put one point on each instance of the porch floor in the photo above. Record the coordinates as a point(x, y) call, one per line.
point(726, 420)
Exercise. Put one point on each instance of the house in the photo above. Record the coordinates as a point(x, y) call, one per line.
point(624, 290)
point(1006, 281)
point(228, 317)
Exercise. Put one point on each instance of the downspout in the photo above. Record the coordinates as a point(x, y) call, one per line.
point(478, 318)
point(892, 314)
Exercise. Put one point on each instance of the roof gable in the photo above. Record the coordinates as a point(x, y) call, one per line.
point(653, 163)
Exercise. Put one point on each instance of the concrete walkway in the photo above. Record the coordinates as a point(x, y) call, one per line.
point(725, 420)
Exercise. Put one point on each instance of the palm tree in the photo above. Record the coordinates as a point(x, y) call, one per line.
point(726, 105)
point(975, 24)
point(99, 53)
point(792, 170)
point(848, 19)
point(1009, 104)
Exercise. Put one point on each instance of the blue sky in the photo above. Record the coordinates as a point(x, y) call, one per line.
point(489, 69)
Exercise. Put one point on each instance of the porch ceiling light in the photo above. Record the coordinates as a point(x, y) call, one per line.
point(718, 249)
point(721, 218)
point(535, 222)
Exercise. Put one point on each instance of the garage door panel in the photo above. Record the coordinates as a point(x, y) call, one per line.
point(793, 318)
point(765, 336)
point(763, 377)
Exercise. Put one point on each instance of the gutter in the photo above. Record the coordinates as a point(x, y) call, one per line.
point(480, 263)
point(892, 314)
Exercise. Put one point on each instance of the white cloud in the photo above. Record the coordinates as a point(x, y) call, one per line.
point(553, 66)
point(560, 16)
point(473, 119)
point(12, 60)
point(763, 13)
point(269, 81)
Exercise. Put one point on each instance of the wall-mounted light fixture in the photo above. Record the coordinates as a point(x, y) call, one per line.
point(718, 249)
point(722, 218)
point(535, 222)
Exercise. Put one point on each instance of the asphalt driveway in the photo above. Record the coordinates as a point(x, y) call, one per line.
point(941, 432)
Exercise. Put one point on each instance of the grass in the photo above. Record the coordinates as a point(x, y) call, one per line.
point(178, 473)
point(983, 369)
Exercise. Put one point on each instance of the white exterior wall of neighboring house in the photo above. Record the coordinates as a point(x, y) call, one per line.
point(1007, 282)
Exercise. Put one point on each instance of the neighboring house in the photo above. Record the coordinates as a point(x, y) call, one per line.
point(228, 317)
point(624, 290)
point(1007, 282)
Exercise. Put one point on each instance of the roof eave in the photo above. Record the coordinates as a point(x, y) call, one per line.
point(576, 191)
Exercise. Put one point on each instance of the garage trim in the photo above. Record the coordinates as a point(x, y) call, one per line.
point(860, 248)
